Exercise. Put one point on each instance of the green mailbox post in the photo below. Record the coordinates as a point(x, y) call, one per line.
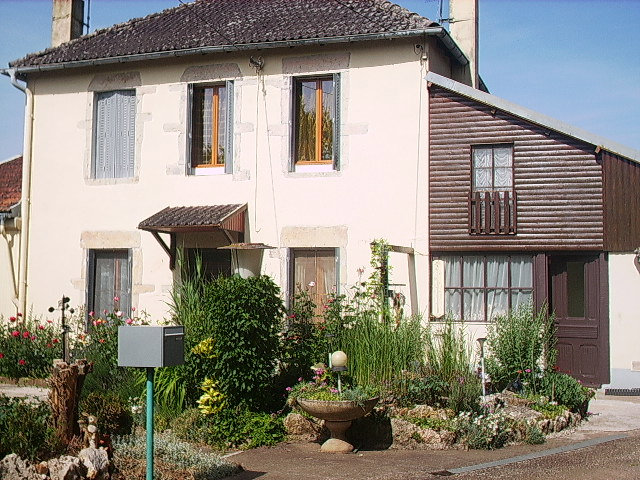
point(150, 347)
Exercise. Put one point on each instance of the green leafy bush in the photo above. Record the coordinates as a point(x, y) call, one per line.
point(520, 345)
point(113, 414)
point(28, 346)
point(26, 429)
point(534, 435)
point(245, 316)
point(231, 428)
point(437, 424)
point(566, 390)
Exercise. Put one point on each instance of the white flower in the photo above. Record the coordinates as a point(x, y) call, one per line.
point(312, 284)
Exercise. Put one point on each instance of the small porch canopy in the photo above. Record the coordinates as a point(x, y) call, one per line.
point(174, 220)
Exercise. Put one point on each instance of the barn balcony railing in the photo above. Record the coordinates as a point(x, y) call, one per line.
point(492, 213)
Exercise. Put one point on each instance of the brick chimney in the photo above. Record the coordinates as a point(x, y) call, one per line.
point(67, 21)
point(463, 27)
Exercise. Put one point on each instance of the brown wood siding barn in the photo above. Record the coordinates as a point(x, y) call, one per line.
point(557, 179)
point(622, 203)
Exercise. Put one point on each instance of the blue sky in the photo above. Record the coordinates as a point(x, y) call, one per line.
point(575, 60)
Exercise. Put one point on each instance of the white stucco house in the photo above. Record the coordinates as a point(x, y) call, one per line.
point(295, 132)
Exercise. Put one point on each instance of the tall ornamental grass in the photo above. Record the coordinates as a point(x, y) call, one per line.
point(450, 363)
point(379, 351)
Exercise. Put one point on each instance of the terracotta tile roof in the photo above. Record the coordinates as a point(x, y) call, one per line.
point(211, 23)
point(10, 183)
point(186, 219)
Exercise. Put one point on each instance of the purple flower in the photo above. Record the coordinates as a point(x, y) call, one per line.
point(528, 370)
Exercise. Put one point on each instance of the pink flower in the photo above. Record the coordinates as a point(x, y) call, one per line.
point(288, 389)
point(12, 319)
point(15, 333)
point(95, 323)
point(128, 321)
point(40, 327)
point(118, 314)
point(49, 321)
point(105, 311)
point(300, 379)
point(26, 334)
point(116, 299)
point(33, 337)
point(528, 370)
point(21, 362)
point(55, 340)
point(133, 309)
point(92, 313)
point(49, 345)
point(1, 355)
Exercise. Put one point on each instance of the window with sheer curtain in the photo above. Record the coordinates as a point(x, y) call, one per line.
point(314, 270)
point(480, 287)
point(492, 168)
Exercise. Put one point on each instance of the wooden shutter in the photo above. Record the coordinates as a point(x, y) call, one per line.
point(189, 148)
point(114, 134)
point(336, 122)
point(293, 85)
point(228, 135)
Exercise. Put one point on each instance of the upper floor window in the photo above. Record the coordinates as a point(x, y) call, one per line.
point(211, 133)
point(114, 132)
point(316, 121)
point(492, 168)
point(492, 199)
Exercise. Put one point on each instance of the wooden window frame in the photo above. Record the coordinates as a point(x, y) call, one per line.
point(485, 289)
point(318, 129)
point(291, 270)
point(215, 125)
point(492, 146)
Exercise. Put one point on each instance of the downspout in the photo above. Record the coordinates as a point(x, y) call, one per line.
point(26, 190)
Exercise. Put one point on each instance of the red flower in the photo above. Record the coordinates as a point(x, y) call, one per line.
point(1, 355)
point(33, 337)
point(15, 333)
point(49, 345)
point(49, 321)
point(40, 327)
point(21, 362)
point(55, 340)
point(19, 314)
point(26, 334)
point(101, 340)
point(13, 319)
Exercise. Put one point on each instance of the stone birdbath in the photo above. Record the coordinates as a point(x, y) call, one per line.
point(337, 415)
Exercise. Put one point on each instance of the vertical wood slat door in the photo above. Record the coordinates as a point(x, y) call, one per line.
point(577, 294)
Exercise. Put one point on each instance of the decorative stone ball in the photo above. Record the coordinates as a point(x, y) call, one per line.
point(338, 359)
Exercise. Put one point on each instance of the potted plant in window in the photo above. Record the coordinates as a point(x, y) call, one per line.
point(337, 407)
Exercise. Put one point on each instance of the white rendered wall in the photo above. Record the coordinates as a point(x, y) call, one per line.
point(624, 320)
point(379, 192)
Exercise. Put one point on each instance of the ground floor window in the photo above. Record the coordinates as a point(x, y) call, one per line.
point(109, 281)
point(479, 287)
point(212, 261)
point(314, 270)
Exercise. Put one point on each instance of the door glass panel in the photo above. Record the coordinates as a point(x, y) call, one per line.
point(575, 289)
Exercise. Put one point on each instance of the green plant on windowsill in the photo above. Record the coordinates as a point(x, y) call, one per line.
point(323, 388)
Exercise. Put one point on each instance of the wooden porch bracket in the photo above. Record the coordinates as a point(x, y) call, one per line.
point(171, 249)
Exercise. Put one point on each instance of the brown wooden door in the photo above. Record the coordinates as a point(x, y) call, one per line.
point(579, 300)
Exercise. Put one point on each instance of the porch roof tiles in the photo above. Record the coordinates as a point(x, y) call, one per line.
point(194, 219)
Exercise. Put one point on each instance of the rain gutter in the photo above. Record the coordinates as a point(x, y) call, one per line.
point(26, 187)
point(439, 32)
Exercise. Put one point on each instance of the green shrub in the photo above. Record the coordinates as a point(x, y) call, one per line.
point(421, 390)
point(485, 432)
point(566, 390)
point(245, 317)
point(28, 346)
point(521, 345)
point(231, 428)
point(26, 429)
point(437, 424)
point(534, 435)
point(449, 364)
point(113, 414)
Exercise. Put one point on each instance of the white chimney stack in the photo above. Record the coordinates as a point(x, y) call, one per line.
point(67, 21)
point(463, 27)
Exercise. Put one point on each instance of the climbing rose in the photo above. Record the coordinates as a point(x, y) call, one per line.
point(116, 299)
point(91, 313)
point(40, 327)
point(13, 319)
point(26, 334)
point(21, 362)
point(55, 340)
point(19, 314)
point(15, 333)
point(1, 355)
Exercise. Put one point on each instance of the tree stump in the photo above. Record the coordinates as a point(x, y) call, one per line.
point(64, 395)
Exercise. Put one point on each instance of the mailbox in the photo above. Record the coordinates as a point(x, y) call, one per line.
point(150, 346)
